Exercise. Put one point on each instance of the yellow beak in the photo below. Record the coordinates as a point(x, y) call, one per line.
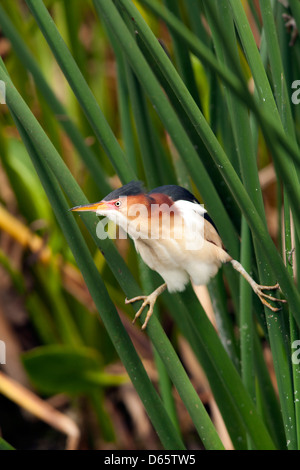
point(94, 207)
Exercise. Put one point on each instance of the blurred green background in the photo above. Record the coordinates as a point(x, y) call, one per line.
point(204, 101)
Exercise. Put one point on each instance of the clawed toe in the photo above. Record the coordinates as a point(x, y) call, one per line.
point(135, 299)
point(267, 304)
point(259, 291)
point(139, 312)
point(276, 286)
point(270, 297)
point(147, 300)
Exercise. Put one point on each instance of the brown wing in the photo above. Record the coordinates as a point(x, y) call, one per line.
point(211, 235)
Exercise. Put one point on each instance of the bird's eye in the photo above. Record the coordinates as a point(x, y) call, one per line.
point(117, 203)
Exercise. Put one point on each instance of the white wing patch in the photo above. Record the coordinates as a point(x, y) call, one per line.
point(186, 207)
point(193, 217)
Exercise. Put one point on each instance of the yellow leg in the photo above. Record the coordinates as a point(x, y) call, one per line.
point(258, 289)
point(148, 300)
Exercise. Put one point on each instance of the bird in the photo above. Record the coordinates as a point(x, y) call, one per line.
point(174, 235)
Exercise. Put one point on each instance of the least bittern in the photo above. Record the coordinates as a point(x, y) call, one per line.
point(175, 237)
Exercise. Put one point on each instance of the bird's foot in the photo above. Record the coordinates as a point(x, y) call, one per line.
point(147, 300)
point(258, 289)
